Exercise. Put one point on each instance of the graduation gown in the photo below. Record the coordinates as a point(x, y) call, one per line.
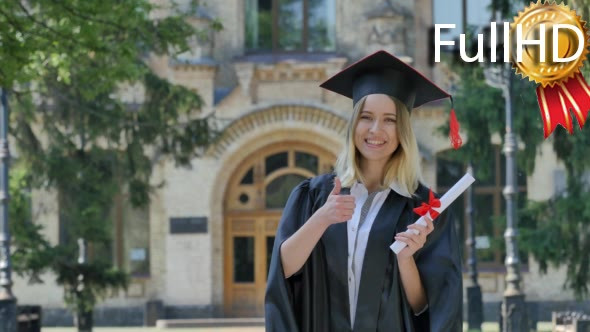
point(316, 297)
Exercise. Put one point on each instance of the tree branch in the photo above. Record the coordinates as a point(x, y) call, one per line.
point(97, 20)
point(64, 38)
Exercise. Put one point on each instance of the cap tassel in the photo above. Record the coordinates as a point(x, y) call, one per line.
point(454, 136)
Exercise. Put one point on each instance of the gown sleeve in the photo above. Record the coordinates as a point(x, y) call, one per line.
point(282, 295)
point(439, 265)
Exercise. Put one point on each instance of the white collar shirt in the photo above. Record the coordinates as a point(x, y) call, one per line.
point(358, 235)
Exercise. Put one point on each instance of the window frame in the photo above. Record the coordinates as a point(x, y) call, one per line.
point(121, 202)
point(496, 191)
point(257, 161)
point(275, 49)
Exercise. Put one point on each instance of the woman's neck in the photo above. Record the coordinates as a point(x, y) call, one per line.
point(372, 173)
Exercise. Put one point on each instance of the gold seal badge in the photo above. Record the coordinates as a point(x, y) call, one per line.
point(548, 73)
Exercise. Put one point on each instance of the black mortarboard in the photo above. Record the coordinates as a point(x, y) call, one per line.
point(383, 73)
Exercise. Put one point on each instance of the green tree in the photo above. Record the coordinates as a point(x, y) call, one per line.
point(561, 235)
point(64, 63)
point(556, 232)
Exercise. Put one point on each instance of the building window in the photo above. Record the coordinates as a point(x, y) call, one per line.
point(290, 25)
point(129, 249)
point(489, 207)
point(278, 191)
point(265, 181)
point(132, 238)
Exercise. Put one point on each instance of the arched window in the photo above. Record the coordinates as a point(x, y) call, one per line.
point(265, 181)
point(277, 191)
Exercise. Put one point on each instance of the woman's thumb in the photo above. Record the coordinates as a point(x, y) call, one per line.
point(337, 187)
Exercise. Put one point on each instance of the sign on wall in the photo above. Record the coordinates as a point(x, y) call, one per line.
point(188, 225)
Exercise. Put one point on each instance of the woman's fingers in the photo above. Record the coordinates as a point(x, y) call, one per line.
point(345, 202)
point(339, 208)
point(414, 241)
point(422, 230)
point(429, 224)
point(419, 228)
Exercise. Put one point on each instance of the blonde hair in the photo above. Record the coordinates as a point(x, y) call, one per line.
point(404, 164)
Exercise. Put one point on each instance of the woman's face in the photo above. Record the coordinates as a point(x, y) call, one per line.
point(375, 135)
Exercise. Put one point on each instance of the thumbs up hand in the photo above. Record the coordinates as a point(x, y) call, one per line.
point(338, 208)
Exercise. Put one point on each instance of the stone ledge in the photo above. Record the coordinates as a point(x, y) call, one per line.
point(209, 322)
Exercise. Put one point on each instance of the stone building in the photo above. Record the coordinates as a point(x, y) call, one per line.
point(202, 247)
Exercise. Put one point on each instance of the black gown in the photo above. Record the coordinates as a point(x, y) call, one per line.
point(316, 297)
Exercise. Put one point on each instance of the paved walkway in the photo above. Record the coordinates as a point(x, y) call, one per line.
point(153, 329)
point(487, 327)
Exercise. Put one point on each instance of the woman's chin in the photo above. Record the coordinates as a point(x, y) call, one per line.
point(375, 157)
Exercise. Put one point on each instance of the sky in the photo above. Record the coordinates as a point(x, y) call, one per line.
point(449, 12)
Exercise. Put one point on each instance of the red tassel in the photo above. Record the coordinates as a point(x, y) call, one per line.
point(456, 140)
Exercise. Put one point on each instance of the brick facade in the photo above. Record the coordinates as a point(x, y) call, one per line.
point(270, 101)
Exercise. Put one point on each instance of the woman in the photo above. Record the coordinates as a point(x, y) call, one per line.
point(332, 269)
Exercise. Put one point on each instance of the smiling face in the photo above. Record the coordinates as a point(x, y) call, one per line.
point(375, 134)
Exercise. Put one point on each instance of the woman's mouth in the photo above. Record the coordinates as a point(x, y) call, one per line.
point(375, 143)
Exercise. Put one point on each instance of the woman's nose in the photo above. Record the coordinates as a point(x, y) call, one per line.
point(375, 126)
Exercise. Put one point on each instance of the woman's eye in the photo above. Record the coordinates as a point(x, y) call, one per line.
point(365, 117)
point(390, 120)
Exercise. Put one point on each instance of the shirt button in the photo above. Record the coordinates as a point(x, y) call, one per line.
point(353, 229)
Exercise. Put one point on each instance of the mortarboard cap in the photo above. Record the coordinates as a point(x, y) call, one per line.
point(383, 73)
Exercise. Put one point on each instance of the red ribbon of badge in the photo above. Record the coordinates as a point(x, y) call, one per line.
point(425, 208)
point(555, 103)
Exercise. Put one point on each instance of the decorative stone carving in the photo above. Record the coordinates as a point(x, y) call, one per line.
point(387, 9)
point(284, 114)
point(245, 72)
point(298, 68)
point(395, 35)
point(389, 26)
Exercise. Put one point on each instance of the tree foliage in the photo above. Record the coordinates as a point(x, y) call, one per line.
point(556, 232)
point(481, 112)
point(562, 232)
point(64, 63)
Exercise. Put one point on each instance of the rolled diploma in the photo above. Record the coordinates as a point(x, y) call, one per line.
point(446, 200)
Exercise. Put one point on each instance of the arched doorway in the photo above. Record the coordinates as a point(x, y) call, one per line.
point(253, 204)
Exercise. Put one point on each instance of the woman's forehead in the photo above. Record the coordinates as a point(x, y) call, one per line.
point(379, 103)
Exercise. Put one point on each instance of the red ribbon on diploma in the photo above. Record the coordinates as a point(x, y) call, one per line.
point(555, 103)
point(433, 202)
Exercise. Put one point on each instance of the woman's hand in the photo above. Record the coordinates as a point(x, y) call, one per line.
point(414, 241)
point(296, 249)
point(338, 208)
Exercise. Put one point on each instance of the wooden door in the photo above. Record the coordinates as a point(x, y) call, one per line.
point(257, 192)
point(249, 241)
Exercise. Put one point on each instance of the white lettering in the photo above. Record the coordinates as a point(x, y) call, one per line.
point(581, 43)
point(520, 42)
point(479, 56)
point(506, 42)
point(493, 42)
point(438, 42)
